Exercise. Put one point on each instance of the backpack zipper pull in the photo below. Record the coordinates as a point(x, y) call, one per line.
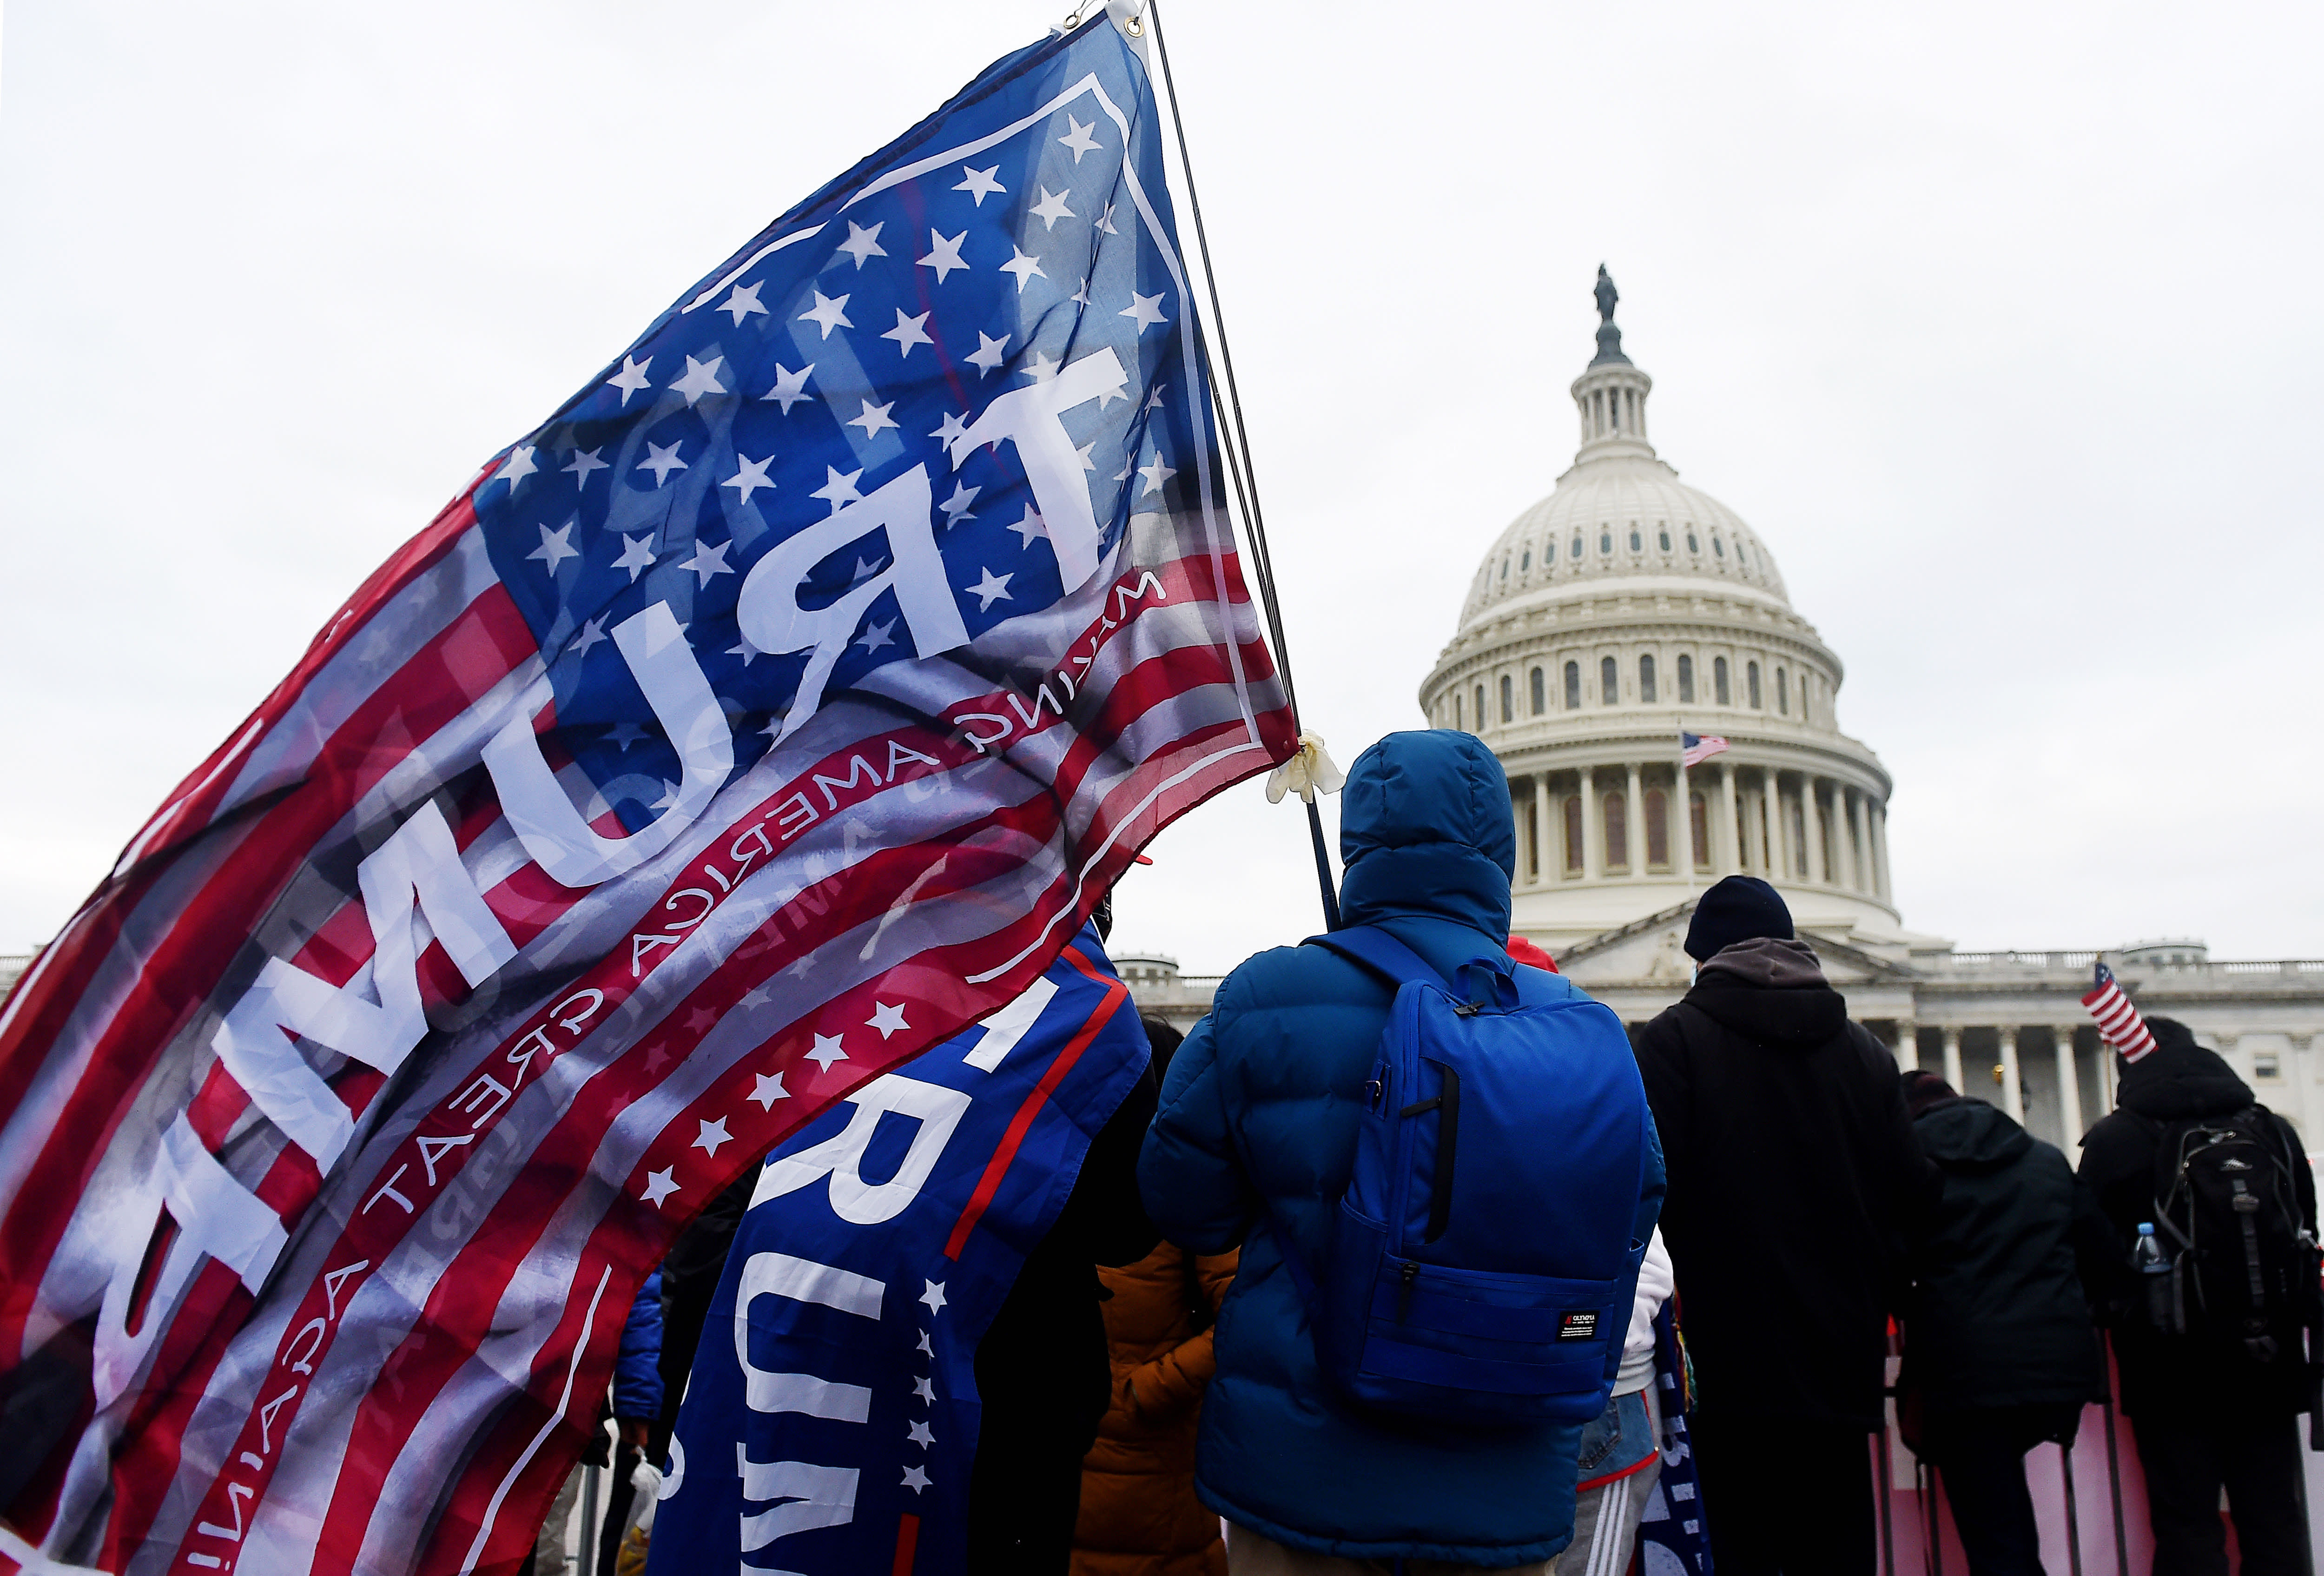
point(1410, 1273)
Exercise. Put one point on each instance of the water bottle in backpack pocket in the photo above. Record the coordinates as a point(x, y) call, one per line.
point(1483, 1259)
point(2242, 1256)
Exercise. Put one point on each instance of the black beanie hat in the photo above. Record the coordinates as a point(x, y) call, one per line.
point(1739, 908)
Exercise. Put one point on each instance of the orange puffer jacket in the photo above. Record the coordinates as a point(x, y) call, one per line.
point(1139, 1516)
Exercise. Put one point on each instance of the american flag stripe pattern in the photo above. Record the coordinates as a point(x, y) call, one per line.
point(778, 708)
point(2119, 1024)
point(1694, 749)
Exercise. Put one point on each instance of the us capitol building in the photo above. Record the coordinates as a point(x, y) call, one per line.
point(1627, 606)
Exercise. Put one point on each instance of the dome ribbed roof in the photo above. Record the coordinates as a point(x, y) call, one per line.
point(1600, 507)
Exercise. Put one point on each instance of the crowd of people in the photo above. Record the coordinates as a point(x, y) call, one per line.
point(1209, 1367)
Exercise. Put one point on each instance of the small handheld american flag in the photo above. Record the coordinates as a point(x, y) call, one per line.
point(1694, 749)
point(2119, 1024)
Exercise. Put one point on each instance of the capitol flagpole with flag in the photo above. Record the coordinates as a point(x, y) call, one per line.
point(781, 705)
point(1694, 750)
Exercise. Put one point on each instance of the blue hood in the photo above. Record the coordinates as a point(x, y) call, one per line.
point(1426, 831)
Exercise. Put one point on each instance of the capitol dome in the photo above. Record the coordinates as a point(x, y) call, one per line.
point(1622, 609)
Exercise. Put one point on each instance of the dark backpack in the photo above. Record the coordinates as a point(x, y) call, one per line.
point(2227, 1210)
point(1482, 1261)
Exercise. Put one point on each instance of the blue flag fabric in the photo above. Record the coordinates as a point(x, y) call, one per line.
point(1671, 1538)
point(832, 1416)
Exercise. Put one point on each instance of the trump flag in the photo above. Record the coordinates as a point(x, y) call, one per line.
point(832, 1417)
point(776, 708)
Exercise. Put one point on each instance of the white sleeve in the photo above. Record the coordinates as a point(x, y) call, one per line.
point(1654, 1283)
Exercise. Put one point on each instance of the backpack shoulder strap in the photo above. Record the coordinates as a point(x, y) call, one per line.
point(1375, 952)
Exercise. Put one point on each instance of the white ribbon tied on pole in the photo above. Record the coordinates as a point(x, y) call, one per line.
point(1308, 773)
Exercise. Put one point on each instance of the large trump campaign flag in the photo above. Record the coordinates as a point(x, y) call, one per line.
point(776, 708)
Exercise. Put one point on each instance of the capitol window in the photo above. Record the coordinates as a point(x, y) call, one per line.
point(1664, 538)
point(1508, 702)
point(1572, 835)
point(1505, 567)
point(1750, 686)
point(1698, 816)
point(1618, 832)
point(1638, 543)
point(1609, 681)
point(1525, 561)
point(1540, 697)
point(1605, 541)
point(1577, 545)
point(1456, 711)
point(1574, 687)
point(1686, 680)
point(1657, 807)
point(1719, 547)
point(1692, 546)
point(1719, 680)
point(1647, 679)
point(1481, 707)
point(1783, 694)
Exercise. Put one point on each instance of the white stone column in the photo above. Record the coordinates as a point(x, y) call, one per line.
point(1683, 813)
point(2013, 1098)
point(1952, 1059)
point(1783, 854)
point(2070, 1089)
point(1544, 869)
point(1635, 833)
point(1855, 854)
point(1908, 1044)
point(1593, 859)
point(1726, 855)
point(1880, 854)
point(1811, 810)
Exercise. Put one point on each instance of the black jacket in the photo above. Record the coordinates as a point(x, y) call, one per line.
point(2176, 1082)
point(1996, 1316)
point(1794, 1175)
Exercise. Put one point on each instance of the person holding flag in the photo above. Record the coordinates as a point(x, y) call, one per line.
point(775, 709)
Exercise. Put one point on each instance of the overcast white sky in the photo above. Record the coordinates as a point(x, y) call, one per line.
point(1999, 322)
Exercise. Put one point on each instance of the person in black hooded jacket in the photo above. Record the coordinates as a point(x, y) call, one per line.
point(1999, 1351)
point(1795, 1180)
point(2207, 1414)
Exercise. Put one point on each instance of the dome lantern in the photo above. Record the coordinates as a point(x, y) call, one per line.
point(1610, 394)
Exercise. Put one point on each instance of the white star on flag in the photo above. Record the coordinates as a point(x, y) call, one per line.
point(986, 356)
point(980, 183)
point(838, 490)
point(1156, 472)
point(1079, 139)
point(743, 648)
point(519, 462)
point(713, 1134)
point(1024, 266)
point(709, 560)
point(593, 633)
point(877, 635)
point(886, 1019)
point(915, 1478)
point(555, 546)
point(919, 1434)
point(863, 245)
point(1052, 207)
point(1147, 309)
point(875, 418)
point(993, 588)
point(934, 1296)
point(956, 507)
point(636, 555)
point(828, 1050)
point(585, 461)
point(766, 1089)
point(832, 314)
point(630, 378)
point(661, 461)
point(943, 255)
point(923, 1390)
point(701, 378)
point(1030, 527)
point(790, 387)
point(952, 427)
point(742, 303)
point(750, 477)
point(1039, 368)
point(659, 1186)
point(908, 332)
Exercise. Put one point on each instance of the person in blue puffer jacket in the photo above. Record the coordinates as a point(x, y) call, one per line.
point(1258, 1119)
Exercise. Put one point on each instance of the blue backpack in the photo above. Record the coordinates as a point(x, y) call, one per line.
point(1482, 1261)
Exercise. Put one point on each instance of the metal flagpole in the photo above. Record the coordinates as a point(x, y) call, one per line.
point(1686, 809)
point(1241, 470)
